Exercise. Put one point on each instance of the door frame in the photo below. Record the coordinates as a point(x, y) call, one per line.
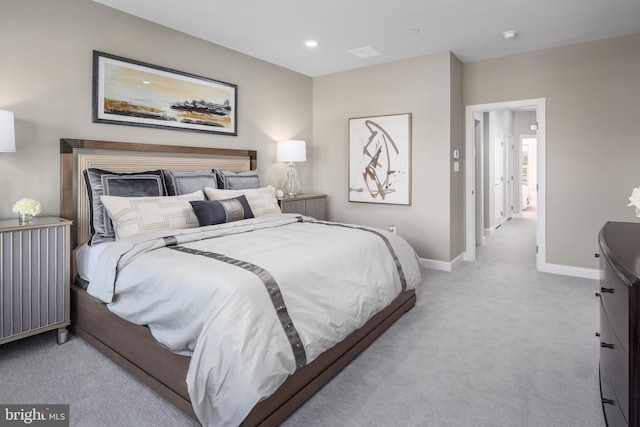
point(539, 104)
point(478, 158)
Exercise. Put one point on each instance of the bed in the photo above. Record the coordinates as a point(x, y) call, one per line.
point(134, 347)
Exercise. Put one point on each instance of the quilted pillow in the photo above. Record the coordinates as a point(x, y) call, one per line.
point(210, 212)
point(228, 180)
point(261, 200)
point(187, 182)
point(132, 215)
point(99, 182)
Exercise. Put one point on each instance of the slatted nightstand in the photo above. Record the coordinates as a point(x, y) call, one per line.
point(34, 278)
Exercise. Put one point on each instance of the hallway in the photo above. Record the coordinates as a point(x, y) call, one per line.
point(521, 341)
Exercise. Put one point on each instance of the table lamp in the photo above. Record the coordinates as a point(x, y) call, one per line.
point(291, 151)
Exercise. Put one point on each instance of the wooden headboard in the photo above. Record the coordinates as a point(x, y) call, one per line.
point(76, 155)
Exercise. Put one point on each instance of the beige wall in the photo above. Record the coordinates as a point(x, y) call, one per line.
point(592, 92)
point(421, 86)
point(45, 79)
point(456, 192)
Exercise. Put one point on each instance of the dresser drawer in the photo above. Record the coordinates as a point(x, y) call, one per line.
point(612, 411)
point(616, 361)
point(615, 300)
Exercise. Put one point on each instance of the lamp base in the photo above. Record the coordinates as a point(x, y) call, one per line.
point(291, 185)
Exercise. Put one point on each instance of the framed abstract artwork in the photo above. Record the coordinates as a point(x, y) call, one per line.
point(128, 92)
point(380, 159)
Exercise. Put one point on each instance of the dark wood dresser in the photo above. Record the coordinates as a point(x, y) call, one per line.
point(619, 341)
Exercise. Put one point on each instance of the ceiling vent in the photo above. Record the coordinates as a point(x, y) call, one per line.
point(365, 52)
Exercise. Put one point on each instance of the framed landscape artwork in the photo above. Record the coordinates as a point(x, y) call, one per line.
point(380, 159)
point(128, 92)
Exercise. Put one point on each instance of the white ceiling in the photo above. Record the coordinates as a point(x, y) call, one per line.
point(275, 30)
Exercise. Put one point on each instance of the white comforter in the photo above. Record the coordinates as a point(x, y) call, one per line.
point(332, 280)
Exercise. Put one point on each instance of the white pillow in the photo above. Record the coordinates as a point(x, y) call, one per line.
point(132, 215)
point(261, 200)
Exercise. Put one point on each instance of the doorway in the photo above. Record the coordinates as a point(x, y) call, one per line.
point(502, 141)
point(528, 172)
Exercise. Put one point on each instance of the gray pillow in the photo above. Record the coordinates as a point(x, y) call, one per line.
point(210, 212)
point(228, 180)
point(99, 182)
point(178, 183)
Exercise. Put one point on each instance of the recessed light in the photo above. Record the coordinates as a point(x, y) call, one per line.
point(144, 82)
point(311, 43)
point(511, 34)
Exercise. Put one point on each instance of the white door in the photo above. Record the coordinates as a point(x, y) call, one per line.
point(498, 185)
point(509, 178)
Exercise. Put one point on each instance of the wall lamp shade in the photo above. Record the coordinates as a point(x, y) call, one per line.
point(291, 151)
point(7, 132)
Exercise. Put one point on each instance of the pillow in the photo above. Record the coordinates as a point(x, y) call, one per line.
point(99, 182)
point(261, 200)
point(210, 212)
point(132, 215)
point(228, 180)
point(178, 183)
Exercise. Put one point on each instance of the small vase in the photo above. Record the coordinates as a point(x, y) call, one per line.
point(24, 219)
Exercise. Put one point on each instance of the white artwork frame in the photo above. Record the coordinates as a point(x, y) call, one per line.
point(380, 159)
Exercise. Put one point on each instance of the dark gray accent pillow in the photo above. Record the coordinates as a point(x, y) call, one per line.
point(178, 183)
point(210, 212)
point(228, 180)
point(99, 182)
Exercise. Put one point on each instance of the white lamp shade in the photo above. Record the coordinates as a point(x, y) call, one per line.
point(293, 150)
point(7, 132)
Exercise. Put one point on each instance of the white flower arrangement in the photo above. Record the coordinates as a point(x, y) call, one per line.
point(635, 200)
point(27, 207)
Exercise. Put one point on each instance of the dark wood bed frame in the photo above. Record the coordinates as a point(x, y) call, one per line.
point(133, 348)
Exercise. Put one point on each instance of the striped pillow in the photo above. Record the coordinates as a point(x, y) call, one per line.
point(261, 200)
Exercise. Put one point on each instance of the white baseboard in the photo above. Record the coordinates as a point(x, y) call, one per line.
point(441, 265)
point(566, 270)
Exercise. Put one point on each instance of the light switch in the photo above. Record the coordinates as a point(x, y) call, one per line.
point(456, 166)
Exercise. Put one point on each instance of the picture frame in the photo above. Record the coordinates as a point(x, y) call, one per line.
point(380, 159)
point(135, 93)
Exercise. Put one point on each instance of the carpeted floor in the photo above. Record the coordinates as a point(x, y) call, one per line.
point(494, 343)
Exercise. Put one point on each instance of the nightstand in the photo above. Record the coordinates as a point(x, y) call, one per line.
point(313, 205)
point(34, 278)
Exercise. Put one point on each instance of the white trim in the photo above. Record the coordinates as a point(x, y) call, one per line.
point(441, 265)
point(539, 105)
point(564, 270)
point(567, 270)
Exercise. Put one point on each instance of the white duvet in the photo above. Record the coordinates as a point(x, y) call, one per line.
point(332, 279)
